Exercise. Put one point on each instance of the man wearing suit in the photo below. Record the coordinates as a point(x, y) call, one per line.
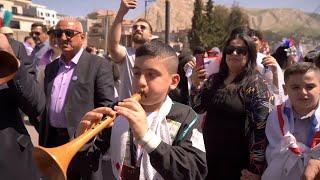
point(19, 50)
point(41, 38)
point(19, 93)
point(74, 84)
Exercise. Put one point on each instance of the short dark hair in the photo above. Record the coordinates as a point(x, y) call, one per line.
point(26, 38)
point(257, 33)
point(300, 68)
point(146, 21)
point(314, 57)
point(161, 50)
point(245, 30)
point(199, 50)
point(281, 56)
point(44, 27)
point(242, 30)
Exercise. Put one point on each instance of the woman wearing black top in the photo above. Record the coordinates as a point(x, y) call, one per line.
point(237, 104)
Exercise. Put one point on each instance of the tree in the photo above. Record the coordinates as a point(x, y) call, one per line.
point(219, 27)
point(209, 10)
point(237, 17)
point(208, 25)
point(196, 32)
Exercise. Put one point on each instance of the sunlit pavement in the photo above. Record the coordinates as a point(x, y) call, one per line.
point(32, 132)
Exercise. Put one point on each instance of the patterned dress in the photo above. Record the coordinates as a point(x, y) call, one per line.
point(234, 128)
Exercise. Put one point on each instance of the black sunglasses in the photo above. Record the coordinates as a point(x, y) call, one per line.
point(32, 34)
point(240, 50)
point(135, 27)
point(68, 32)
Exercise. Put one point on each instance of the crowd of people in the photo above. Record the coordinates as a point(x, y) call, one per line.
point(244, 112)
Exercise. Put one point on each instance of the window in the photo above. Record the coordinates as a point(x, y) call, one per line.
point(41, 14)
point(47, 14)
point(14, 10)
point(53, 15)
point(15, 24)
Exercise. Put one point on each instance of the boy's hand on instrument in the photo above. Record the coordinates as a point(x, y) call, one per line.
point(93, 117)
point(136, 116)
point(247, 175)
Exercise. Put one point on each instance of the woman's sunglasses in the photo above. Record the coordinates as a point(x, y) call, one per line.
point(237, 50)
point(68, 32)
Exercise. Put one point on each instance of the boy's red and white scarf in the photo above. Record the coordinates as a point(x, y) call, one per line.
point(286, 124)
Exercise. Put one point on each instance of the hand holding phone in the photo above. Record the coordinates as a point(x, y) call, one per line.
point(199, 60)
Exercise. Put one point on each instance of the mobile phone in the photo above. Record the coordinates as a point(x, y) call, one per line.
point(199, 60)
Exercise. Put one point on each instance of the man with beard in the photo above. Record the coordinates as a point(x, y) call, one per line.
point(40, 37)
point(74, 83)
point(124, 56)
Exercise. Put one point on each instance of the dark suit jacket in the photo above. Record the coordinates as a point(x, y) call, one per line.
point(16, 146)
point(93, 87)
point(20, 51)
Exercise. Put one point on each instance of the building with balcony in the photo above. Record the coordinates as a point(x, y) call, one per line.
point(49, 16)
point(101, 21)
point(25, 13)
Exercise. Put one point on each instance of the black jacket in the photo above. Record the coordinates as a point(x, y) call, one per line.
point(16, 146)
point(179, 161)
point(20, 51)
point(93, 87)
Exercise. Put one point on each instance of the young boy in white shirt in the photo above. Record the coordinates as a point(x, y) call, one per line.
point(293, 127)
point(155, 138)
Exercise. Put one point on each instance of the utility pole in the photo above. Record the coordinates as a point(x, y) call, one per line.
point(167, 30)
point(145, 7)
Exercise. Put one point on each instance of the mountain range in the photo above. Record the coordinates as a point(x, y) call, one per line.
point(277, 20)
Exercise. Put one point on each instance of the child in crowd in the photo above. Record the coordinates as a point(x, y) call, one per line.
point(293, 127)
point(156, 138)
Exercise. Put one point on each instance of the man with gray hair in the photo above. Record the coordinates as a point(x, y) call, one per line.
point(74, 84)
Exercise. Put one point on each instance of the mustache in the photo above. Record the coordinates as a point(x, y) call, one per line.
point(137, 32)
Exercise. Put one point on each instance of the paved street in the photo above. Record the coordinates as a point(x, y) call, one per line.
point(33, 133)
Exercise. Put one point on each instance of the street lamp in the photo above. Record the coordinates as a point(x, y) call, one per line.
point(145, 7)
point(167, 30)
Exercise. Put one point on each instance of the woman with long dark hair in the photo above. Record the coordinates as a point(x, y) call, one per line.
point(237, 104)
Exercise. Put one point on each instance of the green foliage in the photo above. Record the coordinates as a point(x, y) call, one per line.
point(237, 18)
point(211, 24)
point(219, 27)
point(196, 33)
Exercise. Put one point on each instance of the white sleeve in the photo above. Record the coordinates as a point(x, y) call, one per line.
point(274, 135)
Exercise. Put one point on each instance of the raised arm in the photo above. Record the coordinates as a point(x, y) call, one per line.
point(117, 51)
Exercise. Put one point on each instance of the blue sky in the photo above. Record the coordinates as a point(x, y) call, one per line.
point(83, 7)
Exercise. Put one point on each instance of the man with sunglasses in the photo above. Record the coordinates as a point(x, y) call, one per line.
point(124, 56)
point(74, 84)
point(40, 37)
